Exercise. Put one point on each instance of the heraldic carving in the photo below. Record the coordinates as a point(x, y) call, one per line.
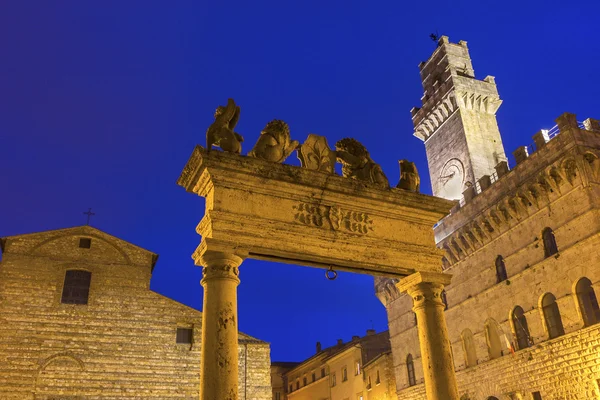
point(220, 133)
point(315, 154)
point(334, 217)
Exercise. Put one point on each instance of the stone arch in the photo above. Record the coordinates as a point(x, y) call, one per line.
point(520, 327)
point(410, 370)
point(92, 235)
point(59, 374)
point(549, 241)
point(586, 301)
point(469, 350)
point(493, 334)
point(570, 169)
point(594, 163)
point(501, 274)
point(551, 316)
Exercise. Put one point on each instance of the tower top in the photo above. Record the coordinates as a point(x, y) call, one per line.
point(457, 120)
point(447, 76)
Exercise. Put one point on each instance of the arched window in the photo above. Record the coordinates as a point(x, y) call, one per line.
point(76, 288)
point(500, 270)
point(444, 299)
point(550, 247)
point(520, 327)
point(410, 370)
point(469, 348)
point(552, 316)
point(588, 303)
point(492, 398)
point(493, 339)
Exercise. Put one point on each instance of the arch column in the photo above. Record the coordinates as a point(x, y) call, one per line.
point(219, 347)
point(425, 288)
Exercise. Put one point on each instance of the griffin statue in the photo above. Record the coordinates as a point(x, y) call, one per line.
point(220, 133)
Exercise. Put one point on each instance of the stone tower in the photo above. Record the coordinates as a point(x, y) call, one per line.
point(457, 121)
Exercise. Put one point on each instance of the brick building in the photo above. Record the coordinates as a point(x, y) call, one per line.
point(523, 246)
point(78, 321)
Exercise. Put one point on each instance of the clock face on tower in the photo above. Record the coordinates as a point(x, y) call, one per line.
point(452, 179)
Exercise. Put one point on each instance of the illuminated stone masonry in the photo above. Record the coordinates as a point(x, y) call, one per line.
point(257, 207)
point(106, 337)
point(523, 249)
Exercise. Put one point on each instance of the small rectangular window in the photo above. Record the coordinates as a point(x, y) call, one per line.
point(85, 243)
point(333, 380)
point(184, 335)
point(76, 288)
point(304, 382)
point(322, 372)
point(344, 374)
point(377, 380)
point(277, 396)
point(314, 377)
point(357, 369)
point(291, 388)
point(537, 396)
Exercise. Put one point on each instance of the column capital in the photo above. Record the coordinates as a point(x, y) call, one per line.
point(220, 265)
point(411, 281)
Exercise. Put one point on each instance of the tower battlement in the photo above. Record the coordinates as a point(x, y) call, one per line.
point(457, 120)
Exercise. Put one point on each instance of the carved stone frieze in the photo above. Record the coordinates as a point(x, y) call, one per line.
point(333, 217)
point(315, 154)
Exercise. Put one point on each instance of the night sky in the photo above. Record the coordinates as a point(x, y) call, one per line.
point(101, 104)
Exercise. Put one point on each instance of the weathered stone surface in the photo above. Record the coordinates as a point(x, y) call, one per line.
point(275, 143)
point(555, 187)
point(289, 214)
point(121, 345)
point(457, 120)
point(220, 133)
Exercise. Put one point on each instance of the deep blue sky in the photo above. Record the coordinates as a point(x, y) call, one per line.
point(101, 104)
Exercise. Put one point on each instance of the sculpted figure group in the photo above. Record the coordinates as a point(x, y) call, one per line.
point(275, 144)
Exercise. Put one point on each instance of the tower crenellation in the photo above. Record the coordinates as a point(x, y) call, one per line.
point(457, 120)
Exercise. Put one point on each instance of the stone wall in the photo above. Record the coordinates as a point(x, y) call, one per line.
point(557, 187)
point(122, 344)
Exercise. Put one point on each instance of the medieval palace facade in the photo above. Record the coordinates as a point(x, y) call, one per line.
point(522, 245)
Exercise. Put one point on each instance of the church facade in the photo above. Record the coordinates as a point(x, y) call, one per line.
point(78, 321)
point(522, 245)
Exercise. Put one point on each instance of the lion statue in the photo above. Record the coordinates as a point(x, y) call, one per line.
point(220, 133)
point(357, 163)
point(274, 143)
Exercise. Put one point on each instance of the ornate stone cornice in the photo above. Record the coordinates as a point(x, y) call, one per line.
point(436, 117)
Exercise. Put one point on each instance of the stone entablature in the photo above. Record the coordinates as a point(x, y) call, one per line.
point(569, 160)
point(279, 212)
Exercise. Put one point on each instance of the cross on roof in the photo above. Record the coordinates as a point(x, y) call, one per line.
point(89, 214)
